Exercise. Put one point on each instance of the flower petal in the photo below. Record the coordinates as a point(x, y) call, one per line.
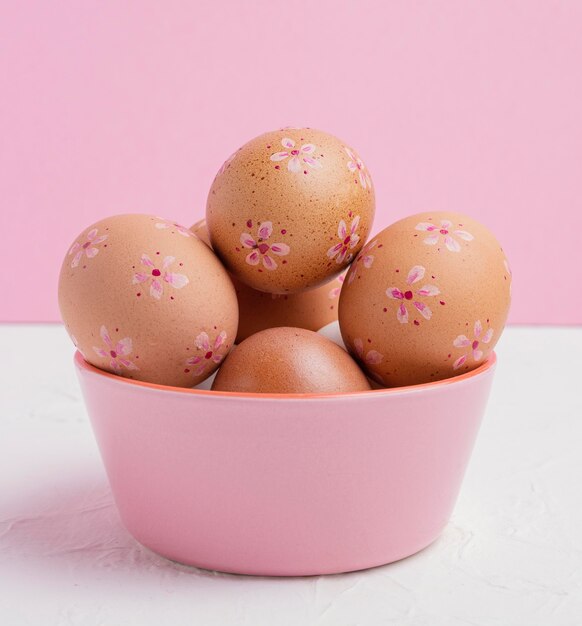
point(425, 226)
point(115, 366)
point(281, 249)
point(156, 289)
point(167, 262)
point(220, 339)
point(92, 234)
point(352, 166)
point(350, 153)
point(74, 247)
point(269, 263)
point(374, 357)
point(77, 258)
point(487, 336)
point(477, 355)
point(145, 259)
point(461, 342)
point(432, 239)
point(459, 362)
point(342, 230)
point(176, 280)
point(463, 234)
point(105, 336)
point(394, 293)
point(161, 225)
point(217, 358)
point(423, 309)
point(355, 224)
point(279, 156)
point(124, 346)
point(265, 230)
point(341, 257)
point(99, 240)
point(128, 364)
point(446, 224)
point(194, 360)
point(478, 328)
point(367, 261)
point(294, 165)
point(202, 342)
point(334, 250)
point(354, 241)
point(359, 347)
point(139, 278)
point(286, 142)
point(362, 179)
point(402, 314)
point(253, 258)
point(429, 290)
point(415, 274)
point(247, 241)
point(307, 148)
point(100, 351)
point(91, 252)
point(452, 244)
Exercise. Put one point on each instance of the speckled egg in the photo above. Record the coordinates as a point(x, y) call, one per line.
point(289, 360)
point(290, 210)
point(258, 310)
point(144, 298)
point(425, 299)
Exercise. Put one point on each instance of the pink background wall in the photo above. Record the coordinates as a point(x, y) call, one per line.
point(110, 107)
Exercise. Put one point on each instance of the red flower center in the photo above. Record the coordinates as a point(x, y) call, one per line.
point(156, 272)
point(347, 240)
point(408, 295)
point(444, 231)
point(208, 354)
point(86, 244)
point(294, 152)
point(263, 248)
point(475, 345)
point(113, 353)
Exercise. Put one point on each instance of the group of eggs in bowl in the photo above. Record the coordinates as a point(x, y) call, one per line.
point(283, 251)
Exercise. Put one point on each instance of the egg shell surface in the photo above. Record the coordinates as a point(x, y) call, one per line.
point(289, 361)
point(290, 209)
point(426, 299)
point(258, 310)
point(144, 298)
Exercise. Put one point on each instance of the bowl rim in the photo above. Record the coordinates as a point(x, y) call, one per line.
point(482, 369)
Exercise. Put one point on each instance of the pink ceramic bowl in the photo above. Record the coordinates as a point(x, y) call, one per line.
point(285, 485)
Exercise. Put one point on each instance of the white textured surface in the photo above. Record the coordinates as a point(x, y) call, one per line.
point(511, 555)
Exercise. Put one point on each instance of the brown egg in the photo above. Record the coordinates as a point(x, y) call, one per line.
point(426, 299)
point(258, 310)
point(289, 360)
point(143, 298)
point(290, 209)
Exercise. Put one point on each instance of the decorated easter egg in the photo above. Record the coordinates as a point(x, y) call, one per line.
point(426, 299)
point(144, 298)
point(258, 310)
point(289, 360)
point(290, 210)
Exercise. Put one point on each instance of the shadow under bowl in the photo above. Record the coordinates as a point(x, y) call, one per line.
point(285, 485)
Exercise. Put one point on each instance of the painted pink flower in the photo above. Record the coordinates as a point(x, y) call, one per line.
point(355, 164)
point(210, 352)
point(444, 230)
point(347, 242)
point(88, 247)
point(364, 258)
point(260, 249)
point(475, 346)
point(415, 274)
point(335, 292)
point(116, 352)
point(159, 276)
point(372, 357)
point(299, 158)
point(165, 224)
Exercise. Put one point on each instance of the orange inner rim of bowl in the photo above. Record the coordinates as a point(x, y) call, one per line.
point(484, 367)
